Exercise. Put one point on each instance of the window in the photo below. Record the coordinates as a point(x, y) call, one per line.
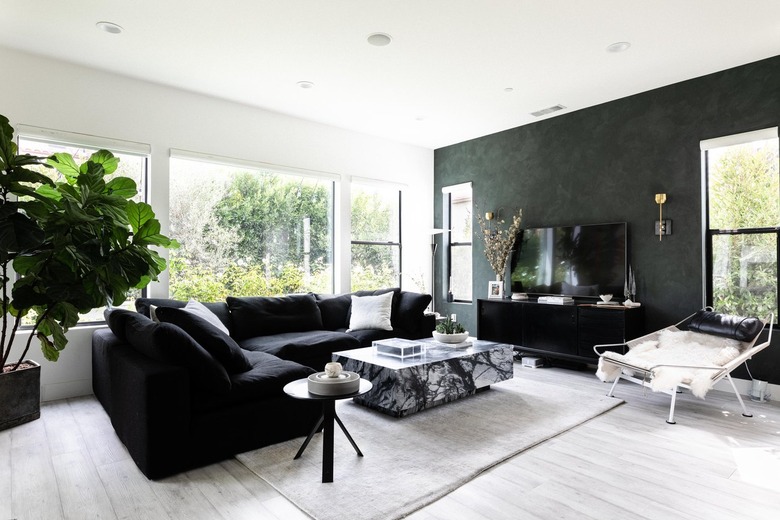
point(133, 163)
point(742, 222)
point(376, 236)
point(247, 229)
point(457, 218)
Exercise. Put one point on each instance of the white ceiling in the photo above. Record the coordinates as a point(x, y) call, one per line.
point(442, 80)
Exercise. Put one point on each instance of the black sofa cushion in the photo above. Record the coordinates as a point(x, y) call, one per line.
point(410, 306)
point(221, 346)
point(725, 325)
point(143, 305)
point(334, 310)
point(116, 319)
point(168, 343)
point(264, 316)
point(311, 348)
point(366, 337)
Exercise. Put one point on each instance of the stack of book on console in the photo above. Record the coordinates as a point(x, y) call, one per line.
point(398, 348)
point(557, 300)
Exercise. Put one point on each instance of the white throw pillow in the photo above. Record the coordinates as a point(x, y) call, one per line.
point(201, 311)
point(153, 313)
point(371, 312)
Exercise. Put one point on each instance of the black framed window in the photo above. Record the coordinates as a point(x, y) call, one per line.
point(458, 220)
point(375, 236)
point(741, 175)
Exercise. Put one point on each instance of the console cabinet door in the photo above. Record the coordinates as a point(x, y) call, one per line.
point(550, 327)
point(500, 321)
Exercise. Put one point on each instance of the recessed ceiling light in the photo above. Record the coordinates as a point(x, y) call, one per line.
point(379, 39)
point(109, 27)
point(305, 84)
point(419, 118)
point(618, 47)
point(509, 89)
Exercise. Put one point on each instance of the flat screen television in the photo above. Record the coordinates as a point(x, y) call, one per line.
point(577, 261)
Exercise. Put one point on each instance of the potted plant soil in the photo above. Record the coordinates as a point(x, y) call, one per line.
point(69, 243)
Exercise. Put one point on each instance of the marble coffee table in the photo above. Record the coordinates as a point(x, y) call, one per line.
point(440, 374)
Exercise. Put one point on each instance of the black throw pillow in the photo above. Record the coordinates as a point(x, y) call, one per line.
point(335, 311)
point(168, 343)
point(411, 307)
point(116, 319)
point(217, 343)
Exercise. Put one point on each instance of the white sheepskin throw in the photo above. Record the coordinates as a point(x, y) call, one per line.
point(673, 347)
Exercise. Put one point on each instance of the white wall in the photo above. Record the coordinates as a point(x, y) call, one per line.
point(51, 94)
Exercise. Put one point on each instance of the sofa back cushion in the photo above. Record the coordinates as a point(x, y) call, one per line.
point(221, 346)
point(220, 309)
point(116, 319)
point(168, 343)
point(264, 316)
point(334, 310)
point(409, 313)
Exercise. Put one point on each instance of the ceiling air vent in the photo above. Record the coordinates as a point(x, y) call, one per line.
point(548, 110)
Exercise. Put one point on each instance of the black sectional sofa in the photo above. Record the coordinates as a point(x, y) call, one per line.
point(182, 393)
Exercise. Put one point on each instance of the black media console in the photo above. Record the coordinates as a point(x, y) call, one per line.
point(566, 331)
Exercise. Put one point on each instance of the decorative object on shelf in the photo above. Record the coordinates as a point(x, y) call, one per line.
point(519, 296)
point(662, 227)
point(496, 289)
point(606, 299)
point(450, 331)
point(629, 289)
point(498, 242)
point(73, 244)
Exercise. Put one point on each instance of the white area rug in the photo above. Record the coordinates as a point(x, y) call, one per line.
point(412, 461)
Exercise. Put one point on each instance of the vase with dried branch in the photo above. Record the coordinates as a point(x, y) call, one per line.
point(499, 240)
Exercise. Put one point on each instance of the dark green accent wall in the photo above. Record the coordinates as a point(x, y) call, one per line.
point(604, 164)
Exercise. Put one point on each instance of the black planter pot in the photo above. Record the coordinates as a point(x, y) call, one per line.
point(21, 396)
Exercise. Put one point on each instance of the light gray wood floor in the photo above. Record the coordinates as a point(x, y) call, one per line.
point(627, 463)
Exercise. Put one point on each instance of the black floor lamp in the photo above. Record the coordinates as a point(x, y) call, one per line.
point(434, 247)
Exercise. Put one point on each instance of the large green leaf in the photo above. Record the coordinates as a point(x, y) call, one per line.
point(50, 352)
point(24, 263)
point(138, 213)
point(19, 174)
point(18, 233)
point(49, 192)
point(106, 159)
point(123, 187)
point(147, 233)
point(65, 164)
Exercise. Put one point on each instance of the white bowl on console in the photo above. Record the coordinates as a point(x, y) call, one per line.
point(450, 338)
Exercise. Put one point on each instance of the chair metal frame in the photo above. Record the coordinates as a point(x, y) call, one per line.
point(718, 372)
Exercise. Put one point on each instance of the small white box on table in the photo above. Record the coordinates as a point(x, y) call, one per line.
point(398, 348)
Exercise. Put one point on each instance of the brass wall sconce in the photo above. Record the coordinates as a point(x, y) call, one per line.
point(662, 227)
point(489, 215)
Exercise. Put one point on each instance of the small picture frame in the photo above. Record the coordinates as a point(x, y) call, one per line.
point(495, 289)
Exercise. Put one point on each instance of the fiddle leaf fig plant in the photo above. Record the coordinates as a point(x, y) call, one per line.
point(68, 246)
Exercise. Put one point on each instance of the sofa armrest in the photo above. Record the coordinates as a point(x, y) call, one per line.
point(149, 403)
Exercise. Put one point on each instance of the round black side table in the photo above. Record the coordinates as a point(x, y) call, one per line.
point(299, 389)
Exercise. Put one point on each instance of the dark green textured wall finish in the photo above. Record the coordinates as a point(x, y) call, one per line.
point(604, 164)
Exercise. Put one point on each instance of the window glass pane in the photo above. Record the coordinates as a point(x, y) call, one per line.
point(375, 214)
point(460, 272)
point(130, 165)
point(460, 216)
point(744, 274)
point(743, 185)
point(375, 266)
point(248, 232)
